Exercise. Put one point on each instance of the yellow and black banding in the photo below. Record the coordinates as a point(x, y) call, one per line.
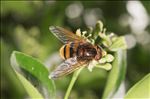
point(71, 49)
point(64, 53)
point(67, 51)
point(61, 51)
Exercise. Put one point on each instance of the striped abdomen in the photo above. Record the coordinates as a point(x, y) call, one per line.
point(68, 50)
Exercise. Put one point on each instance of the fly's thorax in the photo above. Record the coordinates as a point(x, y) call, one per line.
point(86, 51)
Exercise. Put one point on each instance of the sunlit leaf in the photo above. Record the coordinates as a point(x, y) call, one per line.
point(116, 75)
point(34, 67)
point(140, 90)
point(31, 90)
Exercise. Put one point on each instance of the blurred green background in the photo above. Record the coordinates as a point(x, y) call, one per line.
point(25, 28)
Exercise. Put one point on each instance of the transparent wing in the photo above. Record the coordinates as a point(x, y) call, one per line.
point(64, 35)
point(67, 67)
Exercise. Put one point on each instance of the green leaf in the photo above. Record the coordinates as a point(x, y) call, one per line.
point(116, 75)
point(140, 90)
point(34, 67)
point(31, 90)
point(119, 43)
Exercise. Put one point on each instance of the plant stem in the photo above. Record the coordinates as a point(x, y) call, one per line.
point(74, 78)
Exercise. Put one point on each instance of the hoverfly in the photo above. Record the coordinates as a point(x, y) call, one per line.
point(76, 52)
